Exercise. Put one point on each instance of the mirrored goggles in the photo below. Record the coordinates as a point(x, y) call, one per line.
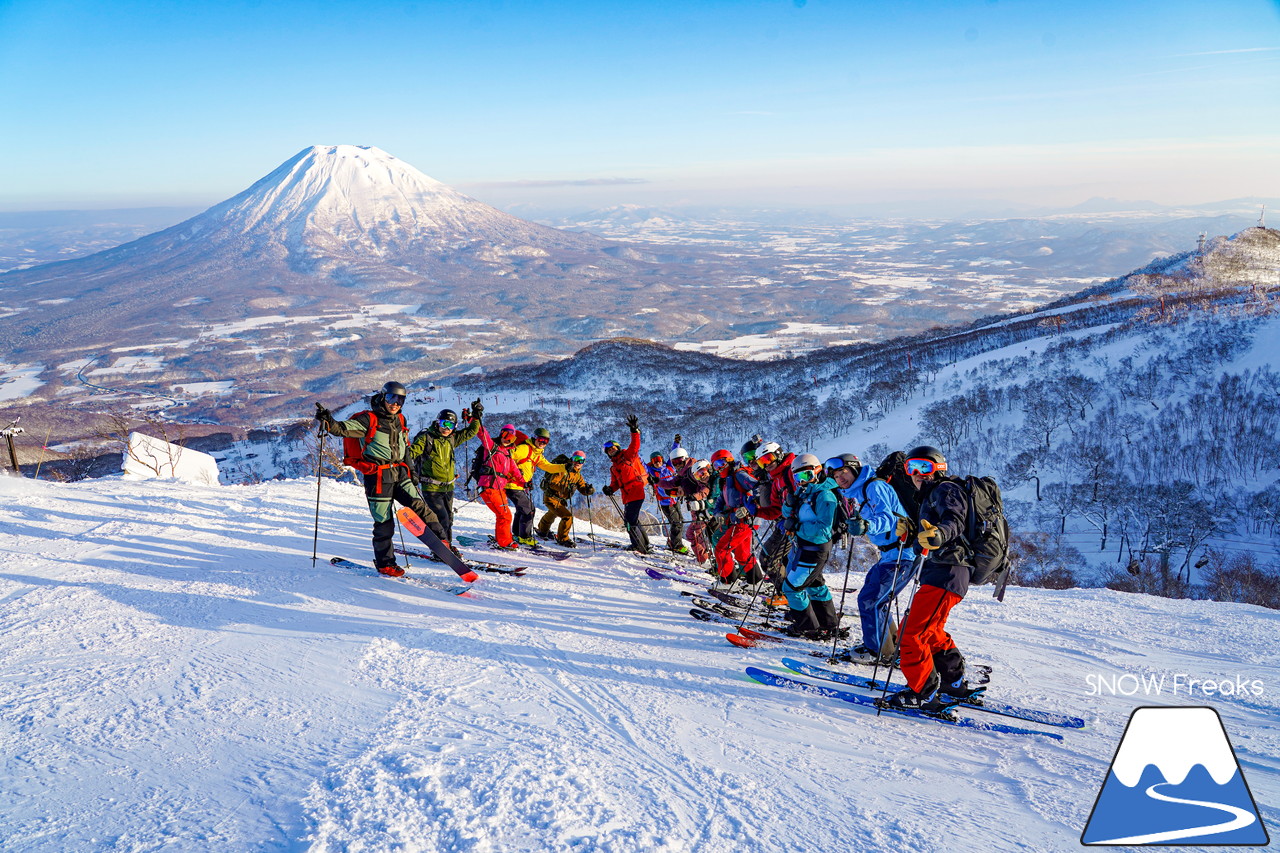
point(542, 442)
point(394, 399)
point(719, 463)
point(806, 475)
point(921, 467)
point(577, 460)
point(766, 459)
point(446, 424)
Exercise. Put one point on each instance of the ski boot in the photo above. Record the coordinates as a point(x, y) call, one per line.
point(927, 701)
point(392, 571)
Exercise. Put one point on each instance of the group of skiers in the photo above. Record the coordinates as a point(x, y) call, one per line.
point(908, 507)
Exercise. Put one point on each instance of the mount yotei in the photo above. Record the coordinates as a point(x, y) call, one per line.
point(340, 261)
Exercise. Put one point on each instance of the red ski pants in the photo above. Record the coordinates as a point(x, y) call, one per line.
point(925, 633)
point(496, 500)
point(735, 545)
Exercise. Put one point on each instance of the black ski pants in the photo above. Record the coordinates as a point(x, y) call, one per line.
point(441, 503)
point(522, 520)
point(675, 525)
point(631, 515)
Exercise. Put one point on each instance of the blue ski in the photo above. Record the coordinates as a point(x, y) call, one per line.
point(452, 589)
point(1031, 715)
point(783, 681)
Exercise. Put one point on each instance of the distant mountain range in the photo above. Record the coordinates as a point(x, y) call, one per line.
point(345, 264)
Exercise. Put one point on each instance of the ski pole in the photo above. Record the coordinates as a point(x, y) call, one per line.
point(751, 602)
point(595, 546)
point(315, 538)
point(916, 564)
point(848, 564)
point(884, 623)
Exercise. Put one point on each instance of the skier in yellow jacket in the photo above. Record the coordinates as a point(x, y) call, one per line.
point(528, 455)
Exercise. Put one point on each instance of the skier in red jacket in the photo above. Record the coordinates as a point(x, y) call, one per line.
point(628, 476)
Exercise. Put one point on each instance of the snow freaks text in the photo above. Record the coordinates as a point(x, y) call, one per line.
point(1176, 684)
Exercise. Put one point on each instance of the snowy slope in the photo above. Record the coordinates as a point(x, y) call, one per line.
point(177, 676)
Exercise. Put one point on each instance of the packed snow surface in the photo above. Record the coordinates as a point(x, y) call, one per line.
point(179, 676)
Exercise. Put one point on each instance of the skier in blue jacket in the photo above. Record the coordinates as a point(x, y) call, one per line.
point(887, 525)
point(811, 516)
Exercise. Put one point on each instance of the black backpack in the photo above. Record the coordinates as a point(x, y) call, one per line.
point(890, 470)
point(561, 459)
point(479, 462)
point(987, 532)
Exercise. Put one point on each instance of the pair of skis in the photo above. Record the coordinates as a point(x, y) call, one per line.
point(491, 543)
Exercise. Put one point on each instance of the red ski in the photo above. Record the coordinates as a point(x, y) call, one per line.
point(418, 528)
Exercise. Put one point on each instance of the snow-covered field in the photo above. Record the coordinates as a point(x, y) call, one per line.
point(177, 676)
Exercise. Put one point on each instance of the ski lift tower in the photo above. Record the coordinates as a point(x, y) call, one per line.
point(9, 432)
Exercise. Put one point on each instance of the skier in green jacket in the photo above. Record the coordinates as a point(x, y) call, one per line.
point(376, 443)
point(431, 456)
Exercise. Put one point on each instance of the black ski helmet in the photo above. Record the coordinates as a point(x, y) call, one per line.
point(926, 451)
point(843, 460)
point(393, 389)
point(749, 447)
point(447, 415)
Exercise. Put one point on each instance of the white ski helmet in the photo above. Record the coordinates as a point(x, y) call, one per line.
point(806, 460)
point(679, 453)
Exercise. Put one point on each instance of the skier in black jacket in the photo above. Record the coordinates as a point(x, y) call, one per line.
point(931, 663)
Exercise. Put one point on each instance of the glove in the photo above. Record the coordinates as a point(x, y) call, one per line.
point(929, 537)
point(653, 481)
point(694, 506)
point(477, 410)
point(857, 526)
point(741, 513)
point(466, 415)
point(677, 441)
point(791, 524)
point(323, 415)
point(588, 489)
point(903, 531)
point(633, 423)
point(608, 490)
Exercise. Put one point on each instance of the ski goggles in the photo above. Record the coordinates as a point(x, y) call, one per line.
point(542, 442)
point(806, 475)
point(577, 460)
point(446, 424)
point(719, 463)
point(766, 459)
point(394, 399)
point(749, 455)
point(922, 467)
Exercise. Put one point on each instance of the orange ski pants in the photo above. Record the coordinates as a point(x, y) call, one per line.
point(496, 500)
point(925, 633)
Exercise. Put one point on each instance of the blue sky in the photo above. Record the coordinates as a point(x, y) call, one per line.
point(804, 102)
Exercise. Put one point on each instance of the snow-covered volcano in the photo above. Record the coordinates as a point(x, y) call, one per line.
point(333, 235)
point(335, 199)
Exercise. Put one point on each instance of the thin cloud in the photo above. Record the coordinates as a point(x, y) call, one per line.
point(1235, 50)
point(566, 182)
